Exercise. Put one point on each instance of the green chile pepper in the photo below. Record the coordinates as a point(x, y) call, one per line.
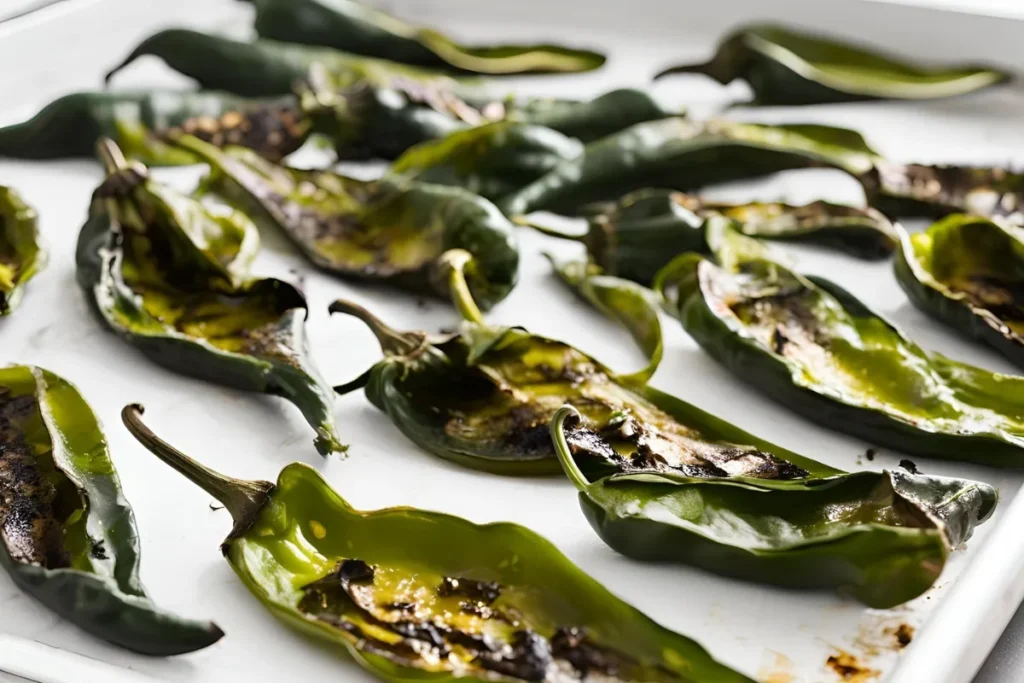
point(353, 26)
point(417, 595)
point(813, 347)
point(588, 120)
point(171, 277)
point(490, 160)
point(968, 272)
point(68, 534)
point(787, 67)
point(22, 253)
point(684, 155)
point(386, 230)
point(484, 396)
point(936, 191)
point(140, 121)
point(637, 235)
point(889, 545)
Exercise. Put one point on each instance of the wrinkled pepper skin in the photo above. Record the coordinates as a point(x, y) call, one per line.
point(787, 67)
point(355, 27)
point(589, 121)
point(139, 122)
point(917, 190)
point(68, 534)
point(888, 547)
point(387, 230)
point(171, 278)
point(968, 272)
point(410, 593)
point(492, 160)
point(22, 253)
point(637, 235)
point(683, 155)
point(813, 347)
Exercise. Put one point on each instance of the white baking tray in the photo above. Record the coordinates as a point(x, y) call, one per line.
point(773, 635)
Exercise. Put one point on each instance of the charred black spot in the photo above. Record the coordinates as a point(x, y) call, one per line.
point(483, 591)
point(909, 466)
point(272, 131)
point(870, 453)
point(99, 549)
point(573, 645)
point(355, 571)
point(527, 658)
point(584, 440)
point(471, 641)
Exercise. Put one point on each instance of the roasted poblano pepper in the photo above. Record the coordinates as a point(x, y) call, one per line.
point(353, 26)
point(936, 191)
point(140, 121)
point(816, 349)
point(786, 67)
point(637, 235)
point(67, 534)
point(492, 160)
point(888, 546)
point(22, 254)
point(387, 230)
point(416, 595)
point(969, 273)
point(171, 277)
point(683, 154)
point(584, 120)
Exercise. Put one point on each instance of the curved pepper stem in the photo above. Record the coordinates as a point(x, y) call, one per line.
point(458, 261)
point(392, 342)
point(569, 466)
point(243, 499)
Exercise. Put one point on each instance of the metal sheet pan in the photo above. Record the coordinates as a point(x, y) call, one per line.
point(773, 635)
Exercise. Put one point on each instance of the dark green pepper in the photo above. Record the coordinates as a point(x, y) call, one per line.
point(968, 272)
point(887, 546)
point(813, 347)
point(140, 121)
point(416, 595)
point(787, 67)
point(585, 120)
point(640, 233)
point(22, 253)
point(67, 534)
point(386, 230)
point(492, 160)
point(683, 154)
point(265, 67)
point(353, 26)
point(936, 191)
point(171, 277)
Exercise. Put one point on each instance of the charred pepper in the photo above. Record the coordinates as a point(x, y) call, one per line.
point(415, 595)
point(22, 253)
point(638, 234)
point(387, 230)
point(353, 26)
point(968, 272)
point(816, 349)
point(171, 276)
point(67, 534)
point(787, 67)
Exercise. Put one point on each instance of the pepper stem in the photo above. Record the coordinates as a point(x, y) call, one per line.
point(392, 342)
point(705, 68)
point(457, 261)
point(110, 155)
point(569, 466)
point(243, 499)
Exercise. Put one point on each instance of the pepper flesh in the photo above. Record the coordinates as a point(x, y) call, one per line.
point(787, 67)
point(968, 272)
point(141, 121)
point(22, 254)
point(388, 230)
point(353, 26)
point(936, 191)
point(171, 277)
point(815, 348)
point(450, 600)
point(67, 534)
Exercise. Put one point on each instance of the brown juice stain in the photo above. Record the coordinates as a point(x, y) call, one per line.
point(848, 669)
point(779, 671)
